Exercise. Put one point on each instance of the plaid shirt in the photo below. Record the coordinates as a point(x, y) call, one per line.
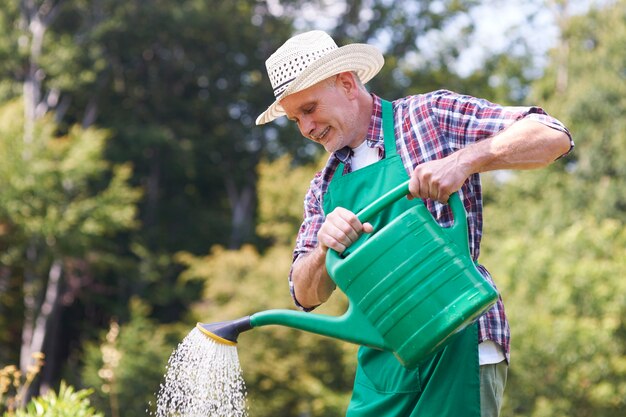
point(429, 127)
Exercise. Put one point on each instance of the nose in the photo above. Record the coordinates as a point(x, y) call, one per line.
point(307, 127)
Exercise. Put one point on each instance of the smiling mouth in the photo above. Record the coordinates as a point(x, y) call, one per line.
point(321, 135)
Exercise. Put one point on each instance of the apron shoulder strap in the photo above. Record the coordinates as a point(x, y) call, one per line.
point(388, 128)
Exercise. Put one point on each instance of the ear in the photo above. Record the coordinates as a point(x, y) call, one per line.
point(346, 82)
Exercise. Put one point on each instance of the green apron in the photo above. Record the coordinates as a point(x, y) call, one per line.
point(448, 383)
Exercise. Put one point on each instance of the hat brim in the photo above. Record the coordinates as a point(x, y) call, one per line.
point(365, 60)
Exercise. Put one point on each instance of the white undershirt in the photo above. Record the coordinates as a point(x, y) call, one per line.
point(363, 156)
point(488, 351)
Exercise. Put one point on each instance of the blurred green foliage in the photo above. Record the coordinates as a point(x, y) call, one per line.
point(126, 365)
point(68, 402)
point(60, 206)
point(555, 239)
point(147, 182)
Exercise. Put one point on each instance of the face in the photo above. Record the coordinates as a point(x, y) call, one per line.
point(326, 112)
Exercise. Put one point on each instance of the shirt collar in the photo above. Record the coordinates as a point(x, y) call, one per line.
point(374, 137)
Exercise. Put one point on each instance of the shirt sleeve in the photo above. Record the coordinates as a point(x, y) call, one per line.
point(465, 119)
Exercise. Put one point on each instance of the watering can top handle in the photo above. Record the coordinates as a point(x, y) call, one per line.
point(458, 231)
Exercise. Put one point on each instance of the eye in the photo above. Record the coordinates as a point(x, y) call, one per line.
point(309, 109)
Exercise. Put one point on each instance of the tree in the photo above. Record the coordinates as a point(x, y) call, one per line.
point(175, 87)
point(565, 301)
point(59, 205)
point(554, 239)
point(174, 103)
point(181, 101)
point(592, 103)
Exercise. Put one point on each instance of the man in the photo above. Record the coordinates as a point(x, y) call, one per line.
point(441, 141)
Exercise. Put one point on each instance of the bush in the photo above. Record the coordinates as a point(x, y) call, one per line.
point(67, 403)
point(127, 366)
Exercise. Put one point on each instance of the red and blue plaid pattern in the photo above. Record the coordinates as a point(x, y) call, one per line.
point(429, 127)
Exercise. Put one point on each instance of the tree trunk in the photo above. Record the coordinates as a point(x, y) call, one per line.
point(241, 203)
point(36, 326)
point(35, 20)
point(34, 76)
point(152, 187)
point(560, 11)
point(30, 306)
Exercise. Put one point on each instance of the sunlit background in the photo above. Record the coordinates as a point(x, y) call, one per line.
point(138, 197)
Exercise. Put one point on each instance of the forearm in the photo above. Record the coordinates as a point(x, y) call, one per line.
point(526, 144)
point(311, 283)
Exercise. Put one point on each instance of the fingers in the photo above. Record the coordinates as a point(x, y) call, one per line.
point(432, 190)
point(341, 229)
point(428, 183)
point(424, 187)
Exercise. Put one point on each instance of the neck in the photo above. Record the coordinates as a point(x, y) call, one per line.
point(365, 104)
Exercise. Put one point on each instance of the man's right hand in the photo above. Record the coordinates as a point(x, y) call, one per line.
point(312, 285)
point(340, 230)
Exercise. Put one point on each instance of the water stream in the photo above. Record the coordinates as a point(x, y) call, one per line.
point(203, 379)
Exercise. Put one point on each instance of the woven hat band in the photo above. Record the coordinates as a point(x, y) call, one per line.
point(295, 56)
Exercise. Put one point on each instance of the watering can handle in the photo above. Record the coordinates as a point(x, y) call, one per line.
point(458, 232)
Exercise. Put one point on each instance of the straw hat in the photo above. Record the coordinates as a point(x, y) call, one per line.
point(311, 57)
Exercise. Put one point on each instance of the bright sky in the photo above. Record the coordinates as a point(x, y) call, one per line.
point(497, 22)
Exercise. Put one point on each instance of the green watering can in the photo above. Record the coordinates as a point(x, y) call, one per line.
point(411, 286)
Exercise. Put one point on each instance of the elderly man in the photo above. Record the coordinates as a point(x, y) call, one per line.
point(441, 141)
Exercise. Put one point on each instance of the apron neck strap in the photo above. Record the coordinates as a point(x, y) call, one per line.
point(388, 130)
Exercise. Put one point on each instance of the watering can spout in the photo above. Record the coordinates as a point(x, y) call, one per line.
point(225, 332)
point(350, 327)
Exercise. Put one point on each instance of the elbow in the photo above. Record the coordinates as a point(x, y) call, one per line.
point(297, 289)
point(312, 285)
point(299, 295)
point(560, 145)
point(303, 285)
point(304, 299)
point(551, 143)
